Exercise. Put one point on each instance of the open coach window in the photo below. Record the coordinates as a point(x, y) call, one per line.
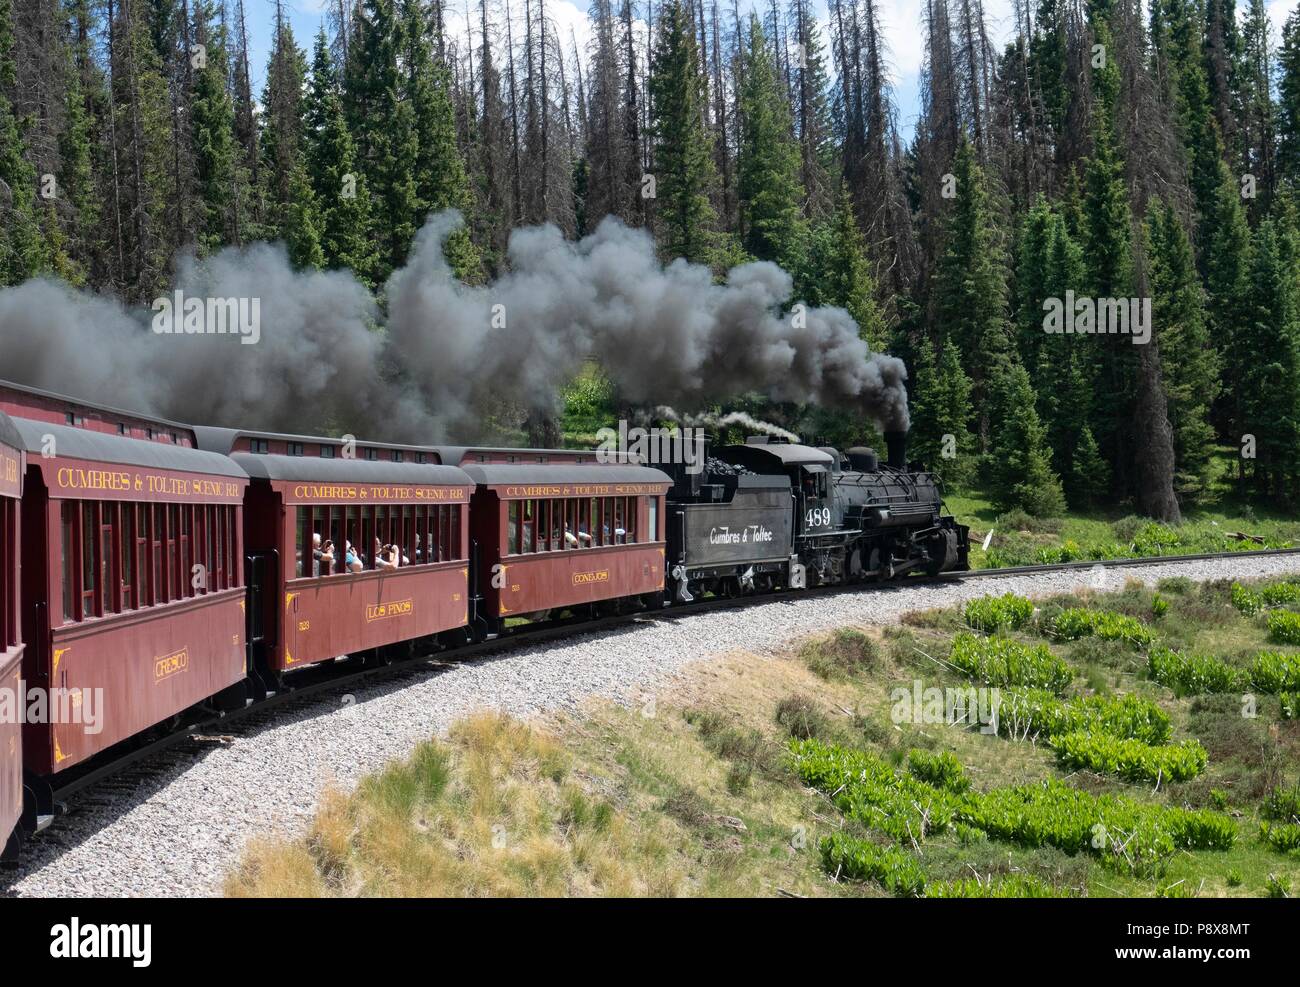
point(571, 523)
point(327, 536)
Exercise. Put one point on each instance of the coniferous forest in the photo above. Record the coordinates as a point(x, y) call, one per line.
point(1111, 149)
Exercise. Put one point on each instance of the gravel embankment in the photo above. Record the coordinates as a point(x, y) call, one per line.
point(179, 830)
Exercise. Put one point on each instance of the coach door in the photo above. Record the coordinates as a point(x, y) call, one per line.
point(261, 577)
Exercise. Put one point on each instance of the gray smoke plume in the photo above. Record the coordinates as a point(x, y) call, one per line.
point(664, 334)
point(447, 351)
point(717, 421)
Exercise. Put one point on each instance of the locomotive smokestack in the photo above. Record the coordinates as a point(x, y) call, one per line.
point(897, 443)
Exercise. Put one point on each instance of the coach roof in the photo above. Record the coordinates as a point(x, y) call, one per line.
point(223, 440)
point(102, 447)
point(498, 474)
point(310, 469)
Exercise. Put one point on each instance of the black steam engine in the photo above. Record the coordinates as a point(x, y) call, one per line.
point(771, 514)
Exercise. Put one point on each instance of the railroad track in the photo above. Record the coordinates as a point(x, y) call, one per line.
point(120, 770)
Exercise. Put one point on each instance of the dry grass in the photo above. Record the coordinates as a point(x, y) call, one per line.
point(687, 796)
point(493, 811)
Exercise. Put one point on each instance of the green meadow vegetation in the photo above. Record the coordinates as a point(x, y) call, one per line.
point(1137, 750)
point(1019, 539)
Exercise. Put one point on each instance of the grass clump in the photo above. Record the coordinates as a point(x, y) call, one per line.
point(1002, 662)
point(802, 718)
point(867, 789)
point(993, 613)
point(844, 653)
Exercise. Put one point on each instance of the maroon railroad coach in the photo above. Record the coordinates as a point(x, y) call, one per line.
point(559, 530)
point(133, 603)
point(354, 549)
point(11, 644)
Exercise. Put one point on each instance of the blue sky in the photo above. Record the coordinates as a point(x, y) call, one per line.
point(901, 23)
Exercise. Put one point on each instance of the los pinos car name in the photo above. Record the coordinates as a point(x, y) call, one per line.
point(208, 316)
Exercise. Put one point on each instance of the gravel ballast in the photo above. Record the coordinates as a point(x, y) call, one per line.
point(180, 829)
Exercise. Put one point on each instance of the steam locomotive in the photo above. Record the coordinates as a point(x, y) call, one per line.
point(771, 514)
point(155, 575)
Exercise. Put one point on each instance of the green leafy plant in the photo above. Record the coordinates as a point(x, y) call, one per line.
point(1290, 705)
point(1002, 662)
point(862, 860)
point(866, 788)
point(941, 770)
point(1132, 760)
point(1284, 627)
point(993, 613)
point(1252, 601)
point(1036, 712)
point(1192, 675)
point(1077, 622)
point(1275, 671)
point(1010, 886)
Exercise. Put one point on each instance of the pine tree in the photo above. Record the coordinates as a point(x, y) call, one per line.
point(142, 144)
point(341, 194)
point(216, 153)
point(21, 248)
point(972, 285)
point(282, 125)
point(838, 273)
point(1020, 461)
point(682, 152)
point(1258, 114)
point(76, 178)
point(383, 125)
point(812, 114)
point(1191, 369)
point(941, 414)
point(441, 179)
point(768, 160)
point(1269, 355)
point(1288, 102)
point(1089, 473)
point(301, 222)
point(1226, 269)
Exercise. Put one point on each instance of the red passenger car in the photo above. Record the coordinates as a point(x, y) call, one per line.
point(558, 530)
point(354, 549)
point(133, 605)
point(11, 643)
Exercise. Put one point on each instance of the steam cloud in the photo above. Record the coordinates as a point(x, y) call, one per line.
point(665, 334)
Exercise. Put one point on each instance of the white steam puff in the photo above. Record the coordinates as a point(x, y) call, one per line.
point(446, 352)
point(716, 421)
